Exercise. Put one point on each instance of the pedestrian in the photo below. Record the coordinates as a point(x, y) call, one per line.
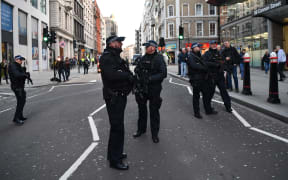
point(86, 65)
point(67, 68)
point(232, 60)
point(117, 84)
point(281, 62)
point(61, 68)
point(266, 60)
point(242, 54)
point(79, 62)
point(152, 71)
point(179, 62)
point(215, 64)
point(93, 61)
point(199, 80)
point(183, 57)
point(17, 79)
point(4, 66)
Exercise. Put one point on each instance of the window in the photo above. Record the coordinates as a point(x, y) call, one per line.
point(199, 10)
point(186, 29)
point(22, 23)
point(60, 16)
point(212, 29)
point(34, 28)
point(212, 10)
point(171, 30)
point(66, 20)
point(170, 11)
point(43, 6)
point(34, 3)
point(199, 29)
point(185, 10)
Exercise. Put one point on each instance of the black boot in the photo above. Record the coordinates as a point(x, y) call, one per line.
point(119, 166)
point(138, 134)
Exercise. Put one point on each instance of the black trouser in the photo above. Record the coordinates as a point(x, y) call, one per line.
point(155, 102)
point(61, 72)
point(21, 100)
point(202, 86)
point(5, 75)
point(67, 73)
point(116, 108)
point(281, 67)
point(219, 81)
point(179, 68)
point(86, 69)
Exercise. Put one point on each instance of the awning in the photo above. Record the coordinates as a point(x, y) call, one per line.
point(223, 2)
point(277, 12)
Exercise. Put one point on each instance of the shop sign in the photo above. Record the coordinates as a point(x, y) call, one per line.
point(268, 8)
point(171, 46)
point(6, 17)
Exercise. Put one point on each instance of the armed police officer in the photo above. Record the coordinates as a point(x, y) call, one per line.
point(215, 64)
point(117, 84)
point(198, 75)
point(18, 77)
point(151, 70)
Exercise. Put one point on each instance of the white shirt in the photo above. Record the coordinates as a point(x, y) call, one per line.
point(281, 56)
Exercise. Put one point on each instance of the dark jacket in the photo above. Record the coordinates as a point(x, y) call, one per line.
point(266, 58)
point(242, 57)
point(183, 58)
point(115, 73)
point(197, 68)
point(234, 57)
point(156, 67)
point(86, 63)
point(17, 75)
point(214, 61)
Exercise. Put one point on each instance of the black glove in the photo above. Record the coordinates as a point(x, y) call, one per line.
point(131, 78)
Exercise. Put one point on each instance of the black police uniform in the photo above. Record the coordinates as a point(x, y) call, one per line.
point(17, 78)
point(156, 69)
point(215, 63)
point(198, 75)
point(115, 75)
point(86, 66)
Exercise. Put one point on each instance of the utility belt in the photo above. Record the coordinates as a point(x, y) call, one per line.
point(116, 92)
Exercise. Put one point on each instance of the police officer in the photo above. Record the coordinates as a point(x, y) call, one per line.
point(198, 75)
point(17, 78)
point(155, 66)
point(117, 84)
point(215, 63)
point(86, 65)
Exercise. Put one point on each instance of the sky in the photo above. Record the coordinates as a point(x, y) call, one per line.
point(128, 15)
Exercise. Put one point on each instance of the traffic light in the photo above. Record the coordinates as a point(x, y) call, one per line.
point(181, 33)
point(74, 44)
point(45, 34)
point(53, 37)
point(161, 42)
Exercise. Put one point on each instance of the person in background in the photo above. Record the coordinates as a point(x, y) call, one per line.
point(67, 68)
point(242, 53)
point(281, 62)
point(183, 57)
point(179, 62)
point(266, 60)
point(61, 68)
point(4, 67)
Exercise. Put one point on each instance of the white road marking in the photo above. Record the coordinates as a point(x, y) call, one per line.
point(97, 110)
point(78, 162)
point(9, 94)
point(94, 131)
point(93, 81)
point(51, 89)
point(270, 134)
point(240, 118)
point(5, 110)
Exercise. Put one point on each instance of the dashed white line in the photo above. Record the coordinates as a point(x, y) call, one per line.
point(97, 110)
point(78, 162)
point(269, 134)
point(5, 110)
point(241, 119)
point(94, 131)
point(51, 89)
point(93, 81)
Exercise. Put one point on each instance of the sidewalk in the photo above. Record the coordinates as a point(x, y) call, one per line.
point(43, 78)
point(260, 91)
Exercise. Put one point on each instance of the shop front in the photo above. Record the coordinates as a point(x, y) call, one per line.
point(171, 51)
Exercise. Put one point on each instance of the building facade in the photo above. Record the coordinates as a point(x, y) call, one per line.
point(89, 26)
point(98, 29)
point(111, 26)
point(162, 18)
point(79, 49)
point(61, 21)
point(22, 24)
point(256, 25)
point(138, 41)
point(103, 33)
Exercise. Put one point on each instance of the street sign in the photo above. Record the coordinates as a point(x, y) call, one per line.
point(62, 44)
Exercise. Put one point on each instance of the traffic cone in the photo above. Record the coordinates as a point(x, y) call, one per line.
point(246, 81)
point(273, 83)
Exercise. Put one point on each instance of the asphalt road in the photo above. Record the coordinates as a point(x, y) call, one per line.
point(60, 140)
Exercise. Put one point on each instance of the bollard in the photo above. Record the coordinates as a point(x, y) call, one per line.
point(246, 81)
point(273, 83)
